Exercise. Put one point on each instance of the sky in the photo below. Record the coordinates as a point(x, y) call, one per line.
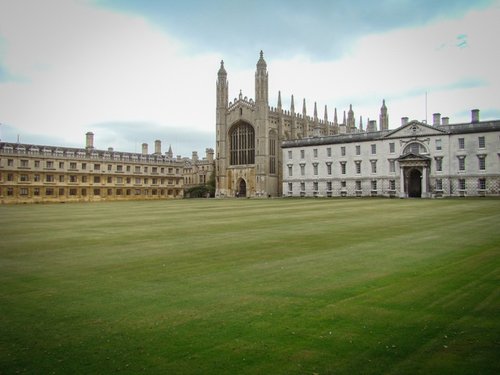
point(133, 71)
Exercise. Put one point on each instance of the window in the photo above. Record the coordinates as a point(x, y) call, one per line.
point(37, 163)
point(461, 163)
point(415, 148)
point(439, 164)
point(289, 154)
point(72, 191)
point(392, 166)
point(97, 167)
point(24, 178)
point(49, 178)
point(84, 166)
point(315, 169)
point(439, 184)
point(36, 192)
point(10, 162)
point(328, 168)
point(290, 171)
point(109, 167)
point(358, 185)
point(461, 184)
point(358, 150)
point(303, 186)
point(73, 178)
point(61, 178)
point(461, 143)
point(97, 191)
point(374, 185)
point(72, 165)
point(36, 178)
point(329, 185)
point(439, 145)
point(49, 191)
point(374, 166)
point(481, 184)
point(343, 167)
point(342, 151)
point(481, 141)
point(482, 162)
point(273, 140)
point(315, 152)
point(24, 163)
point(10, 177)
point(242, 144)
point(61, 165)
point(343, 184)
point(392, 184)
point(49, 164)
point(374, 149)
point(84, 179)
point(302, 154)
point(392, 147)
point(329, 152)
point(110, 179)
point(290, 187)
point(315, 185)
point(358, 167)
point(97, 179)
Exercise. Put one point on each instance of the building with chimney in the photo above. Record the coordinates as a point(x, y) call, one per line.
point(416, 160)
point(36, 173)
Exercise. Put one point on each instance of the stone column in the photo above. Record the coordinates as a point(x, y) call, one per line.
point(424, 182)
point(402, 193)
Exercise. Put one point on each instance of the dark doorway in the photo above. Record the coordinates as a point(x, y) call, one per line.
point(242, 188)
point(415, 184)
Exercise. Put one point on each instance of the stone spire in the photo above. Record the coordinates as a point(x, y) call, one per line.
point(292, 106)
point(279, 99)
point(384, 117)
point(315, 112)
point(361, 124)
point(261, 81)
point(222, 87)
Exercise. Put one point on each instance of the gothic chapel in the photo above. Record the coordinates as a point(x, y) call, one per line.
point(249, 135)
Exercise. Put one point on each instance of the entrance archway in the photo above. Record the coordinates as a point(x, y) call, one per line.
point(242, 188)
point(415, 183)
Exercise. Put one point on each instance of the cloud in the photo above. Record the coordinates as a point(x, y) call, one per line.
point(82, 65)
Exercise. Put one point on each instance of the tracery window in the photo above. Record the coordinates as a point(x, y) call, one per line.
point(242, 144)
point(415, 148)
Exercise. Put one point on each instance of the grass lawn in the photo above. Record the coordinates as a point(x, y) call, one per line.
point(281, 286)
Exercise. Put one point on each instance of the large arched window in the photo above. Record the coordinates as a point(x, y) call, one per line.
point(415, 148)
point(242, 144)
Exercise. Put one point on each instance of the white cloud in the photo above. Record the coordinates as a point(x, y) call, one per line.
point(78, 66)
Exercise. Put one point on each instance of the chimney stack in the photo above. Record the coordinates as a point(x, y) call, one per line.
point(158, 147)
point(195, 156)
point(89, 141)
point(404, 121)
point(445, 121)
point(475, 116)
point(144, 148)
point(210, 154)
point(436, 119)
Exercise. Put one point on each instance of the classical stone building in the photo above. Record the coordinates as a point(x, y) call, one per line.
point(414, 160)
point(249, 134)
point(197, 171)
point(33, 173)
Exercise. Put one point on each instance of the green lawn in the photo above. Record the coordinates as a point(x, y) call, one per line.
point(281, 286)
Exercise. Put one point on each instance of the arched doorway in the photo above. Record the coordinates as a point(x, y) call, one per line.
point(415, 183)
point(242, 188)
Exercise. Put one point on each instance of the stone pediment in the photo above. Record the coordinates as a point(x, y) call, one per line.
point(413, 157)
point(415, 129)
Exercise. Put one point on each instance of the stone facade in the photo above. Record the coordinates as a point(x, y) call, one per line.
point(414, 160)
point(32, 173)
point(249, 134)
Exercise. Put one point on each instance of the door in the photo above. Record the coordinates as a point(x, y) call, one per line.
point(415, 184)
